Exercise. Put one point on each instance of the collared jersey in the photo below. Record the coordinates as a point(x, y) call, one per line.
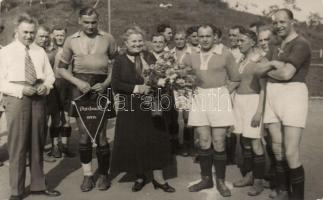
point(89, 55)
point(214, 67)
point(296, 52)
point(12, 67)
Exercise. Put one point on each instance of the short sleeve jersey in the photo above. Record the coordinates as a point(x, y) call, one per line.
point(89, 55)
point(296, 52)
point(214, 70)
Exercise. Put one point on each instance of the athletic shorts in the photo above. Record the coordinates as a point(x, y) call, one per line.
point(245, 107)
point(287, 103)
point(211, 107)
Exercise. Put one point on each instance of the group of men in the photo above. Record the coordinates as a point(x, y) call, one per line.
point(252, 71)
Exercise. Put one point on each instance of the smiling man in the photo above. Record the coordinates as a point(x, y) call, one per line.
point(26, 77)
point(287, 104)
point(90, 50)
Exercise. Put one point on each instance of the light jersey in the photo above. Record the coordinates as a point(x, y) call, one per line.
point(214, 67)
point(89, 55)
point(249, 81)
point(180, 54)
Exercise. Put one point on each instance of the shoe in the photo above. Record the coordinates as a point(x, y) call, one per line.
point(222, 188)
point(165, 186)
point(257, 188)
point(103, 183)
point(282, 195)
point(205, 183)
point(247, 180)
point(15, 197)
point(138, 185)
point(56, 153)
point(273, 194)
point(88, 184)
point(66, 152)
point(48, 193)
point(48, 158)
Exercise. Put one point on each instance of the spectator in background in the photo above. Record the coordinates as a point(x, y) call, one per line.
point(181, 50)
point(167, 31)
point(60, 127)
point(42, 39)
point(192, 38)
point(254, 27)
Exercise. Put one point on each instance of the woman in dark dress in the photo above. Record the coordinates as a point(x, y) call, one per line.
point(141, 143)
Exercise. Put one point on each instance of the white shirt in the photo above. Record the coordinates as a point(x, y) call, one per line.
point(12, 68)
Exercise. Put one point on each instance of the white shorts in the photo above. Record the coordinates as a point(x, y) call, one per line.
point(245, 107)
point(211, 107)
point(287, 103)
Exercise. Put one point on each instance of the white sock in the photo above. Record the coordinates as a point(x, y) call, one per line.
point(64, 140)
point(87, 169)
point(55, 140)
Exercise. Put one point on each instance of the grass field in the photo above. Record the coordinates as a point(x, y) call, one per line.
point(147, 14)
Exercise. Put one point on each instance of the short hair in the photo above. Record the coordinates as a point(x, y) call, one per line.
point(216, 31)
point(239, 27)
point(192, 29)
point(59, 28)
point(287, 11)
point(158, 35)
point(265, 28)
point(26, 18)
point(132, 30)
point(161, 28)
point(257, 24)
point(44, 27)
point(250, 34)
point(88, 11)
point(182, 32)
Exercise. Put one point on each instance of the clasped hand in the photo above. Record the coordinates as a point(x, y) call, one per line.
point(39, 89)
point(85, 87)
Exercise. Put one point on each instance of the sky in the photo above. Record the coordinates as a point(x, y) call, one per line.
point(257, 6)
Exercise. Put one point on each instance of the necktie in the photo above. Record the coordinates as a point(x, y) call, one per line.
point(138, 64)
point(30, 72)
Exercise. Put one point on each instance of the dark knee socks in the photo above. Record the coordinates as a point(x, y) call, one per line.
point(231, 143)
point(297, 179)
point(282, 175)
point(247, 161)
point(220, 161)
point(103, 156)
point(66, 131)
point(206, 161)
point(85, 153)
point(259, 165)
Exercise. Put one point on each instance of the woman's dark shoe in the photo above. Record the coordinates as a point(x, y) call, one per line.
point(165, 186)
point(138, 185)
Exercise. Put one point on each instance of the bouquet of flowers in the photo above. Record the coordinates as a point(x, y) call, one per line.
point(166, 77)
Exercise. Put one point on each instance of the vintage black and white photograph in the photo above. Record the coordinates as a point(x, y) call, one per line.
point(161, 99)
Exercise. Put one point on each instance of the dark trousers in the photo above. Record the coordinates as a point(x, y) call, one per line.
point(26, 128)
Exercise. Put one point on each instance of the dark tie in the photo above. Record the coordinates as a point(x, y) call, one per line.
point(138, 64)
point(30, 72)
